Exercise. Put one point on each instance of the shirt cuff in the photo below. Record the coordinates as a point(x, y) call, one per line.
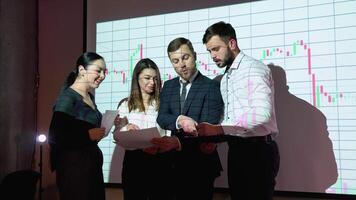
point(177, 125)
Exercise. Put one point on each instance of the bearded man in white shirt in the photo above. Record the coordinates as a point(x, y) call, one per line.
point(248, 92)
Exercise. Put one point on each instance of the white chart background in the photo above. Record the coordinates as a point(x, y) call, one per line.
point(314, 41)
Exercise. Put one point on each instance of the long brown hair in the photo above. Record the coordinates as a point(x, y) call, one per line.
point(135, 100)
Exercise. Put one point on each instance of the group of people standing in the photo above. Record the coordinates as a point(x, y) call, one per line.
point(178, 166)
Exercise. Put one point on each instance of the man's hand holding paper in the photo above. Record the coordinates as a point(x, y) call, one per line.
point(218, 133)
point(188, 125)
point(206, 129)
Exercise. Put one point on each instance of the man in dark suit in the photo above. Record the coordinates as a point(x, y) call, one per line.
point(185, 101)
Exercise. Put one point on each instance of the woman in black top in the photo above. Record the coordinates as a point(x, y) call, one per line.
point(75, 131)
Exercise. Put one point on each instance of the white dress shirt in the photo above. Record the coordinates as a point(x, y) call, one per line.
point(141, 119)
point(248, 92)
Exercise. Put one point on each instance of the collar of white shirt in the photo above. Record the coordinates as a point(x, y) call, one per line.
point(237, 61)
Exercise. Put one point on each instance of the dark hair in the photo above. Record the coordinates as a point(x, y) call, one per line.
point(135, 100)
point(175, 44)
point(83, 60)
point(224, 30)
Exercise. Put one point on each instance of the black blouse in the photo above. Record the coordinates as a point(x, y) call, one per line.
point(72, 118)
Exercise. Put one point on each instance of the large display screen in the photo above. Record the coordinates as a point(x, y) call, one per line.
point(312, 42)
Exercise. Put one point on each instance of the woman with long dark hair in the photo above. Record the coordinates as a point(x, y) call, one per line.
point(75, 132)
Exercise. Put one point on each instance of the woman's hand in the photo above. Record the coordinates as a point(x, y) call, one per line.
point(120, 122)
point(151, 150)
point(131, 126)
point(96, 134)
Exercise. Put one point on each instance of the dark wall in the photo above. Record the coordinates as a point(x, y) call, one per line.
point(18, 57)
point(44, 36)
point(60, 43)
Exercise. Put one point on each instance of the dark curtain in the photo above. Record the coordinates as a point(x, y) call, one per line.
point(18, 91)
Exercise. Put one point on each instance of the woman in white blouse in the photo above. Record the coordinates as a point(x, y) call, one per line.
point(145, 172)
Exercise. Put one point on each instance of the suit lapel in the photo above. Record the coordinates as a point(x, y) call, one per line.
point(194, 89)
point(176, 95)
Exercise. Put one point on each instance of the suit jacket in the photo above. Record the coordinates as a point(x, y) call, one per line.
point(203, 104)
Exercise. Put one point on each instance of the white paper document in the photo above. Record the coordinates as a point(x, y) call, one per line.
point(234, 130)
point(108, 119)
point(136, 139)
point(207, 129)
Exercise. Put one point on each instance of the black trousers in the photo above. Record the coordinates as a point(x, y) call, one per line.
point(252, 168)
point(195, 173)
point(146, 177)
point(193, 185)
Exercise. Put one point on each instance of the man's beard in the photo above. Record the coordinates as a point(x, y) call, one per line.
point(230, 58)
